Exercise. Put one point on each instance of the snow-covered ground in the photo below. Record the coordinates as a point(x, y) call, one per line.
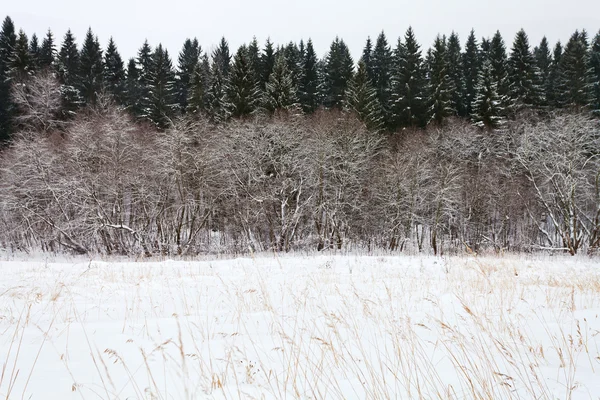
point(301, 327)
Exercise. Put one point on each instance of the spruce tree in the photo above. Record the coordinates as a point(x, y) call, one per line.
point(543, 61)
point(243, 91)
point(524, 74)
point(470, 65)
point(145, 66)
point(595, 69)
point(409, 94)
point(91, 68)
point(132, 85)
point(187, 63)
point(222, 57)
point(309, 80)
point(499, 63)
point(48, 51)
point(68, 74)
point(20, 63)
point(441, 87)
point(34, 52)
point(487, 106)
point(218, 106)
point(361, 98)
point(338, 71)
point(254, 58)
point(382, 65)
point(114, 72)
point(267, 62)
point(575, 86)
point(200, 84)
point(280, 91)
point(163, 101)
point(293, 60)
point(552, 89)
point(455, 74)
point(367, 57)
point(8, 40)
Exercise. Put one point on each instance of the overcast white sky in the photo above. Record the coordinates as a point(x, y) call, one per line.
point(170, 22)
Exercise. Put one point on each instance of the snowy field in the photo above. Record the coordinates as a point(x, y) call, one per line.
point(301, 327)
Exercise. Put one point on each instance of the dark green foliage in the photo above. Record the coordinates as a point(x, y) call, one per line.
point(595, 67)
point(543, 61)
point(309, 80)
point(20, 63)
point(34, 52)
point(487, 106)
point(199, 87)
point(218, 106)
point(267, 62)
point(293, 60)
point(366, 58)
point(280, 91)
point(222, 57)
point(163, 102)
point(254, 58)
point(68, 74)
point(382, 65)
point(499, 63)
point(441, 86)
point(575, 86)
point(553, 95)
point(8, 40)
point(338, 70)
point(91, 68)
point(524, 76)
point(114, 72)
point(455, 75)
point(470, 64)
point(141, 103)
point(132, 85)
point(48, 51)
point(243, 91)
point(188, 61)
point(361, 98)
point(409, 94)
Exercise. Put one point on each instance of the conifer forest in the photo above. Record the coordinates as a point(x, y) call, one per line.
point(474, 144)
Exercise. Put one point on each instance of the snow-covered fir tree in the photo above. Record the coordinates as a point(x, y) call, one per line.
point(455, 74)
point(441, 86)
point(47, 51)
point(543, 61)
point(243, 91)
point(487, 106)
point(470, 67)
point(361, 98)
point(68, 73)
point(338, 70)
point(197, 101)
point(575, 82)
point(187, 63)
point(595, 70)
point(20, 62)
point(8, 39)
point(280, 91)
point(524, 76)
point(114, 72)
point(499, 61)
point(218, 106)
point(162, 92)
point(382, 66)
point(308, 89)
point(409, 93)
point(34, 52)
point(552, 89)
point(90, 68)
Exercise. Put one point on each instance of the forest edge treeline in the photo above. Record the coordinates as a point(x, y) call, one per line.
point(276, 149)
